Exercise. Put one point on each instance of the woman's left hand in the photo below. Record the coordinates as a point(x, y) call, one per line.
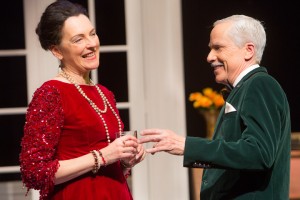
point(140, 156)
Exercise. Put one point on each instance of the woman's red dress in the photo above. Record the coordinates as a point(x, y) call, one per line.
point(61, 125)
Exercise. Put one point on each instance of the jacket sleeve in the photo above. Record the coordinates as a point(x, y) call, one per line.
point(44, 120)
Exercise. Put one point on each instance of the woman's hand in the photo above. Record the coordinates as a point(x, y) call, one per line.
point(140, 156)
point(124, 147)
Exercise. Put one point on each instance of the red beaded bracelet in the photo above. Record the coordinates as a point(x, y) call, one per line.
point(102, 157)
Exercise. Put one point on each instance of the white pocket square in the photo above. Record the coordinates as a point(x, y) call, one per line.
point(229, 108)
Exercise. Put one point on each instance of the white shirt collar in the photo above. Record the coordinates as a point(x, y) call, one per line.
point(243, 73)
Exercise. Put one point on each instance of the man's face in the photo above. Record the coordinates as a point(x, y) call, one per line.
point(226, 58)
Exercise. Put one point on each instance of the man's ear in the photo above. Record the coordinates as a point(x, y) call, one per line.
point(250, 51)
point(56, 52)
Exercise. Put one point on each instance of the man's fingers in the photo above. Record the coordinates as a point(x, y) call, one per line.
point(149, 138)
point(154, 149)
point(150, 132)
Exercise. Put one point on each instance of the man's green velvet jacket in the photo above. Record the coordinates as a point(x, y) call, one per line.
point(249, 156)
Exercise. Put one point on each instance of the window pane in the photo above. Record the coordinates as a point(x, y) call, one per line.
point(14, 84)
point(124, 114)
point(12, 128)
point(12, 22)
point(10, 177)
point(112, 73)
point(110, 22)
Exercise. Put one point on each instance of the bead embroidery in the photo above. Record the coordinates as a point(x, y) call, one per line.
point(44, 120)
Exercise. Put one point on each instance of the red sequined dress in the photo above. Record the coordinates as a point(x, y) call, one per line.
point(61, 125)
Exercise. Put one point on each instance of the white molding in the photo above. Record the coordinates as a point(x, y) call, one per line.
point(9, 169)
point(164, 88)
point(140, 176)
point(114, 48)
point(41, 64)
point(10, 111)
point(14, 52)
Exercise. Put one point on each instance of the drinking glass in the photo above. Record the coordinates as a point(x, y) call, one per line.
point(130, 132)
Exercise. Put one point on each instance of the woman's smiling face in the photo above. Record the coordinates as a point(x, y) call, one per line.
point(79, 47)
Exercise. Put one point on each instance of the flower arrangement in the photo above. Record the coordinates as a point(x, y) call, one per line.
point(208, 103)
point(209, 99)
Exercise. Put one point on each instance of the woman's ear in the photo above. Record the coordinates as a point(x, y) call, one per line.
point(56, 52)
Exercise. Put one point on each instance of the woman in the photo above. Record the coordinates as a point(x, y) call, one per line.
point(69, 147)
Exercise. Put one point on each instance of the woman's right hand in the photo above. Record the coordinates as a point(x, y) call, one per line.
point(120, 148)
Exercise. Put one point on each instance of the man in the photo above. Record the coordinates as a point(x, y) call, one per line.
point(249, 156)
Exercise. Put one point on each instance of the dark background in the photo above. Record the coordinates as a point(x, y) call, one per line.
point(281, 21)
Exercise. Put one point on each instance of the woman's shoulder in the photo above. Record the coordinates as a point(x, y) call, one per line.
point(46, 98)
point(52, 85)
point(48, 90)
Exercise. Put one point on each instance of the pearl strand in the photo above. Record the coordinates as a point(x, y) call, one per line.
point(93, 105)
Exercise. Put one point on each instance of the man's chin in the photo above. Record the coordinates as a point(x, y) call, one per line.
point(220, 81)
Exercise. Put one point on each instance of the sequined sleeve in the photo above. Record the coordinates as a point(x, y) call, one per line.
point(44, 119)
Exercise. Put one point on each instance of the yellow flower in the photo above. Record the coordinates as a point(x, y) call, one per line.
point(208, 99)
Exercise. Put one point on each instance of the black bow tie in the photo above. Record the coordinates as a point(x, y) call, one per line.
point(225, 92)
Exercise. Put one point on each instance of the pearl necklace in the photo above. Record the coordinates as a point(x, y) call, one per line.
point(93, 105)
